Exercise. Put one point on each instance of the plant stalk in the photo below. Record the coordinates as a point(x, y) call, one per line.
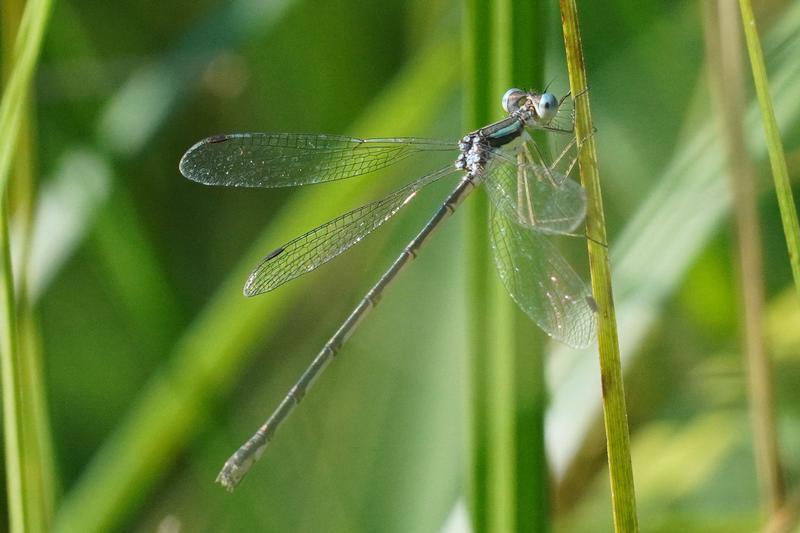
point(777, 158)
point(519, 351)
point(726, 67)
point(615, 416)
point(478, 63)
point(27, 484)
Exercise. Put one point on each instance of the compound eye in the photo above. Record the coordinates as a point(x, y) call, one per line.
point(512, 100)
point(547, 107)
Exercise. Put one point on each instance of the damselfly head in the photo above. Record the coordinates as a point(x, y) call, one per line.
point(544, 105)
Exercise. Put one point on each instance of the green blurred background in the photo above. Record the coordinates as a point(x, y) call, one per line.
point(156, 367)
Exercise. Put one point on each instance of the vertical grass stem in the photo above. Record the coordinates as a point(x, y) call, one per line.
point(614, 411)
point(777, 158)
point(725, 65)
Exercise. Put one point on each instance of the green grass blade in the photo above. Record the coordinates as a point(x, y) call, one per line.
point(526, 56)
point(508, 471)
point(39, 473)
point(777, 158)
point(26, 54)
point(41, 479)
point(22, 463)
point(478, 68)
point(36, 437)
point(615, 414)
point(15, 453)
point(518, 395)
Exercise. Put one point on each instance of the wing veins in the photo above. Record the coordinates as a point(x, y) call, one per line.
point(284, 159)
point(323, 243)
point(541, 282)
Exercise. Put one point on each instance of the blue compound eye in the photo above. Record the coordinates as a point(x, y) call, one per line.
point(547, 107)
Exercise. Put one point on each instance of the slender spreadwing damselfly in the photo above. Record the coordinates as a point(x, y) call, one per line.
point(532, 196)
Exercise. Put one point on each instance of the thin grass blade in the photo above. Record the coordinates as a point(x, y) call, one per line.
point(777, 158)
point(614, 410)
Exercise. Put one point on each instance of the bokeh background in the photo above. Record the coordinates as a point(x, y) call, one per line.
point(156, 367)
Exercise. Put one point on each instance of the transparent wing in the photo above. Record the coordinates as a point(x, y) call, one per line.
point(535, 195)
point(564, 121)
point(288, 159)
point(320, 245)
point(542, 283)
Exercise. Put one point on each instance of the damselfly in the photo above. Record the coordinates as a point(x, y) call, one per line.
point(531, 197)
